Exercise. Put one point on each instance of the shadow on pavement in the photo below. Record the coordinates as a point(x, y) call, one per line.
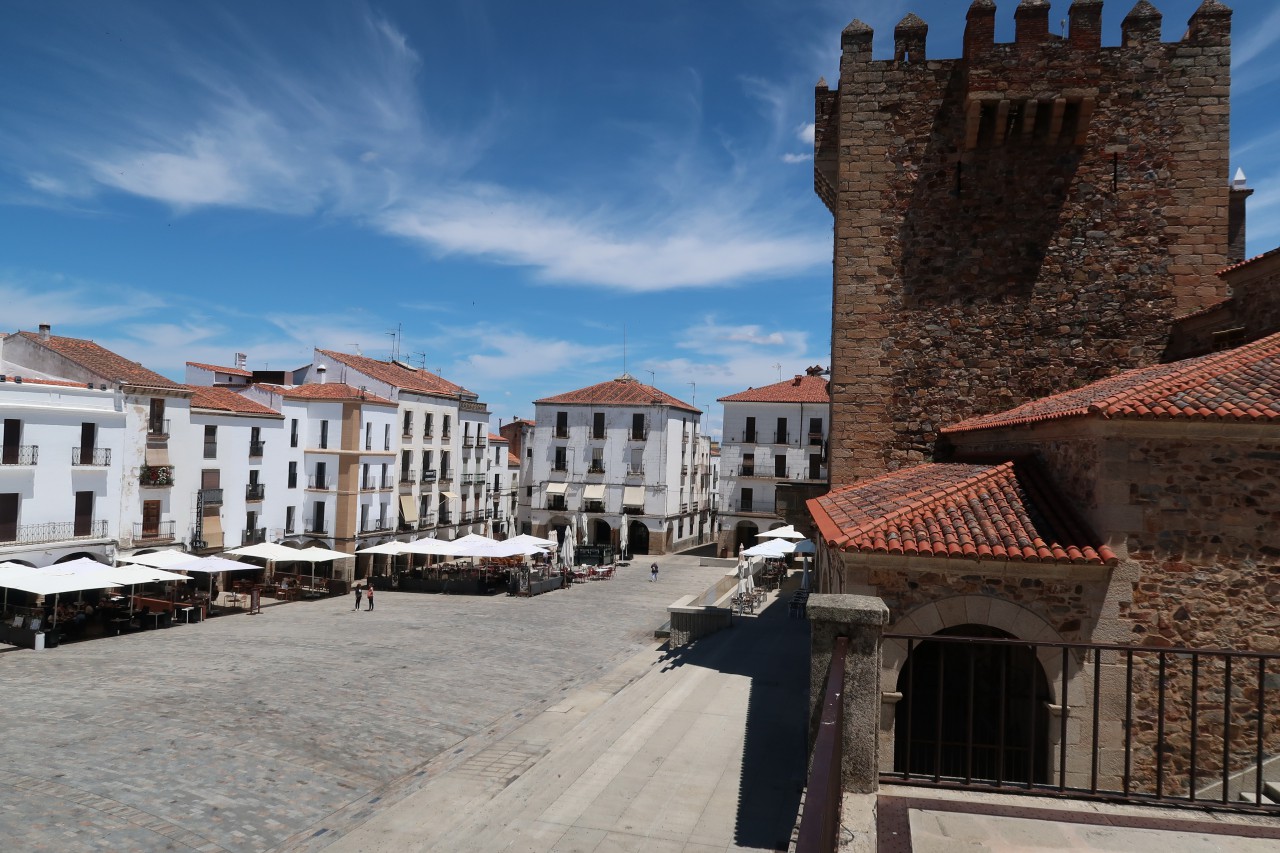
point(773, 651)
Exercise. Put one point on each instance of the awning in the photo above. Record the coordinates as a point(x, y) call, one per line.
point(211, 530)
point(593, 492)
point(448, 496)
point(408, 509)
point(557, 488)
point(158, 457)
point(633, 496)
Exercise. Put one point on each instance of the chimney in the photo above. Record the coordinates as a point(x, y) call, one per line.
point(1240, 193)
point(321, 370)
point(45, 328)
point(242, 361)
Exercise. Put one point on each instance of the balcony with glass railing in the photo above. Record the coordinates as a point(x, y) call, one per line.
point(255, 491)
point(254, 536)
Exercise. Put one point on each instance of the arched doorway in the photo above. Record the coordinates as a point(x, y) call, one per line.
point(744, 535)
point(601, 532)
point(637, 538)
point(973, 710)
point(97, 558)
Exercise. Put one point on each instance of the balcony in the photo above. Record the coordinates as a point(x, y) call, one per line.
point(482, 442)
point(255, 491)
point(156, 477)
point(780, 474)
point(446, 518)
point(159, 532)
point(446, 435)
point(635, 470)
point(95, 456)
point(158, 427)
point(256, 447)
point(748, 471)
point(429, 475)
point(556, 503)
point(638, 434)
point(427, 434)
point(54, 531)
point(749, 507)
point(560, 432)
point(19, 454)
point(781, 437)
point(407, 433)
point(595, 468)
point(376, 525)
point(561, 467)
point(426, 520)
point(468, 441)
point(211, 497)
point(815, 439)
point(316, 528)
point(446, 475)
point(254, 536)
point(388, 483)
point(319, 484)
point(594, 506)
point(408, 475)
point(747, 438)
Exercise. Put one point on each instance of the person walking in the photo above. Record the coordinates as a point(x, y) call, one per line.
point(368, 594)
point(653, 573)
point(357, 589)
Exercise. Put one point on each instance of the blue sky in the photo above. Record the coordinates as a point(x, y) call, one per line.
point(508, 183)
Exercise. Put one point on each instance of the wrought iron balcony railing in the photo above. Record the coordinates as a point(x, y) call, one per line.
point(98, 456)
point(255, 491)
point(19, 454)
point(150, 532)
point(53, 531)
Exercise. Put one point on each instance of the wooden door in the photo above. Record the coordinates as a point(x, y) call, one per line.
point(84, 513)
point(12, 439)
point(88, 438)
point(150, 519)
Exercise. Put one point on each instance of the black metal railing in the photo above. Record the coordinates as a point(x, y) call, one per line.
point(158, 426)
point(408, 475)
point(1196, 729)
point(425, 520)
point(815, 439)
point(255, 491)
point(780, 437)
point(256, 447)
point(156, 475)
point(446, 474)
point(254, 536)
point(19, 454)
point(561, 432)
point(446, 518)
point(322, 484)
point(595, 468)
point(638, 435)
point(820, 820)
point(159, 530)
point(389, 482)
point(91, 456)
point(316, 528)
point(211, 497)
point(747, 471)
point(53, 531)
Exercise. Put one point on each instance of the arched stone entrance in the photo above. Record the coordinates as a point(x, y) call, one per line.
point(973, 710)
point(637, 538)
point(97, 558)
point(745, 535)
point(601, 532)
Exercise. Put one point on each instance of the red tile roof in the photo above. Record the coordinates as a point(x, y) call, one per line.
point(623, 391)
point(801, 389)
point(332, 391)
point(1252, 260)
point(12, 379)
point(976, 512)
point(101, 361)
point(1242, 384)
point(234, 371)
point(512, 459)
point(493, 438)
point(226, 400)
point(398, 375)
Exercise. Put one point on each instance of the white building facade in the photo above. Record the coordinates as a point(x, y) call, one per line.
point(776, 433)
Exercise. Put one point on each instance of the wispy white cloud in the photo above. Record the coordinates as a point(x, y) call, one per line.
point(796, 158)
point(32, 298)
point(1256, 43)
point(805, 133)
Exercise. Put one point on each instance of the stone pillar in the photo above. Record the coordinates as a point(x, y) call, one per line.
point(862, 619)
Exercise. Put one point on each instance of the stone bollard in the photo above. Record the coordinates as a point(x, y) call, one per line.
point(862, 619)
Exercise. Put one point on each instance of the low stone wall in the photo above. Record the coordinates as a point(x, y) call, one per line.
point(697, 616)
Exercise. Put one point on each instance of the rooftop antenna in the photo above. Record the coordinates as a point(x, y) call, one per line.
point(422, 360)
point(624, 349)
point(651, 379)
point(778, 367)
point(394, 334)
point(694, 402)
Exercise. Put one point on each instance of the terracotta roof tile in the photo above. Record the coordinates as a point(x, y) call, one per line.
point(623, 391)
point(12, 379)
point(333, 391)
point(1006, 511)
point(101, 361)
point(801, 389)
point(512, 459)
point(398, 375)
point(1241, 384)
point(1252, 260)
point(234, 371)
point(496, 439)
point(226, 400)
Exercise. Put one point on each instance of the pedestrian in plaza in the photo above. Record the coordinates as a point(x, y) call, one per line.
point(653, 573)
point(357, 589)
point(368, 594)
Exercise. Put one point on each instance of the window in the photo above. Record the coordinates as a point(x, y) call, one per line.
point(780, 437)
point(561, 459)
point(749, 434)
point(747, 500)
point(636, 465)
point(364, 517)
point(445, 470)
point(324, 434)
point(317, 517)
point(150, 519)
point(426, 461)
point(445, 426)
point(815, 431)
point(293, 475)
point(12, 441)
point(368, 436)
point(426, 425)
point(562, 424)
point(382, 516)
point(386, 484)
point(364, 477)
point(637, 427)
point(597, 425)
point(88, 442)
point(210, 441)
point(250, 527)
point(289, 513)
point(406, 465)
point(597, 460)
point(748, 465)
point(156, 424)
point(322, 475)
point(408, 424)
point(293, 432)
point(815, 466)
point(528, 453)
point(255, 441)
point(780, 466)
point(386, 436)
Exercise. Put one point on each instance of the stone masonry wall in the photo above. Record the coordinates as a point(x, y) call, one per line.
point(1026, 219)
point(1252, 312)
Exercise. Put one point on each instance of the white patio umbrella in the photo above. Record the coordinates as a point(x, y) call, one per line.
point(787, 532)
point(11, 571)
point(213, 566)
point(131, 575)
point(159, 559)
point(807, 549)
point(270, 551)
point(392, 548)
point(771, 548)
point(72, 576)
point(623, 534)
point(532, 540)
point(315, 555)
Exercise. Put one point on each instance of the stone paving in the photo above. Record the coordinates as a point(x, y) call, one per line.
point(251, 732)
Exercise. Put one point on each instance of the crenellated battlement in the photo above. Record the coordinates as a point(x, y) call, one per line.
point(1209, 26)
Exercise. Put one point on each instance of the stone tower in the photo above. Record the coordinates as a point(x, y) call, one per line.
point(1020, 221)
